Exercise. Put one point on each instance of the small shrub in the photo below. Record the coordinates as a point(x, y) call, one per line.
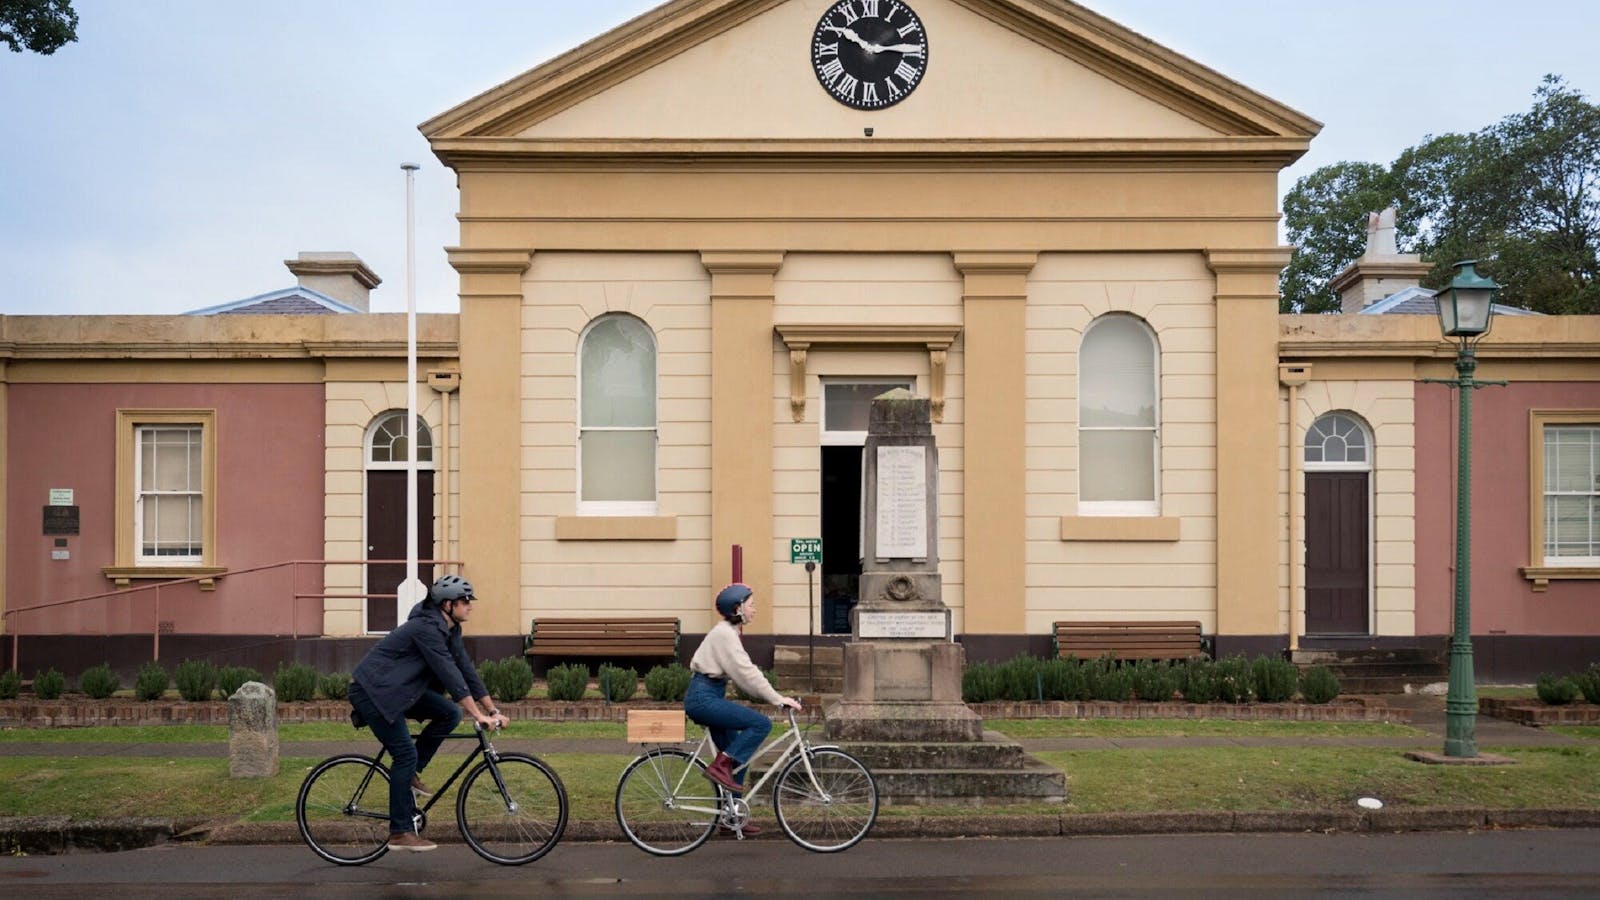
point(567, 682)
point(49, 684)
point(1556, 691)
point(294, 682)
point(1318, 684)
point(1021, 678)
point(1199, 682)
point(1274, 679)
point(231, 678)
point(1110, 682)
point(1154, 682)
point(739, 692)
point(667, 683)
point(151, 681)
point(1064, 679)
point(617, 684)
point(99, 682)
point(508, 680)
point(10, 685)
point(334, 685)
point(1589, 683)
point(196, 679)
point(1235, 681)
point(981, 682)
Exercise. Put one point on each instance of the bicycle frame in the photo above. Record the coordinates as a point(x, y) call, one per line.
point(485, 748)
point(796, 742)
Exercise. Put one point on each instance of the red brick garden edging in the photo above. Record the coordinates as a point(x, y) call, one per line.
point(1530, 711)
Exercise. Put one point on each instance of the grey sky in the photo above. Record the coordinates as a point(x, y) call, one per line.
point(181, 149)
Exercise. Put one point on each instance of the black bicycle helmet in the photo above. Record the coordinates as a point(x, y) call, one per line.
point(730, 598)
point(450, 587)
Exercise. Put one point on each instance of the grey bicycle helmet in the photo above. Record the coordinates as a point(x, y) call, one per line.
point(450, 587)
point(730, 598)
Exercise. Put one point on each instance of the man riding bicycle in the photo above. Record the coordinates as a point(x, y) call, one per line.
point(405, 677)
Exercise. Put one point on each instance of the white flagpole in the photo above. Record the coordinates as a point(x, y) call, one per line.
point(410, 586)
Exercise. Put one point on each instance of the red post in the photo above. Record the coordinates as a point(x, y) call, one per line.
point(738, 563)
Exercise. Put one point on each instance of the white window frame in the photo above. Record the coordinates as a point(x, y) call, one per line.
point(140, 557)
point(1544, 495)
point(649, 507)
point(424, 437)
point(1342, 465)
point(828, 438)
point(1126, 508)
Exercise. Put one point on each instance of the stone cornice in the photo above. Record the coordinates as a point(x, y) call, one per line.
point(800, 338)
point(239, 337)
point(1396, 267)
point(489, 260)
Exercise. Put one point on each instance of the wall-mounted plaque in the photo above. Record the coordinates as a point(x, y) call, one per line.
point(60, 520)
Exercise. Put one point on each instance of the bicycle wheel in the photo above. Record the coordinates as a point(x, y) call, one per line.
point(520, 825)
point(827, 806)
point(343, 810)
point(665, 804)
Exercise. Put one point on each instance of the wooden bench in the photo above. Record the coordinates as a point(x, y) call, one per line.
point(603, 637)
point(1130, 640)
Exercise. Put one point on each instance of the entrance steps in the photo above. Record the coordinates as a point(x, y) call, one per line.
point(793, 666)
point(1378, 670)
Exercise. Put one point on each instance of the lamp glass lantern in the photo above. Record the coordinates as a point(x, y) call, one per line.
point(1467, 303)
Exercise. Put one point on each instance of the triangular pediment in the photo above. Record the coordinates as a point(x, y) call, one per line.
point(998, 70)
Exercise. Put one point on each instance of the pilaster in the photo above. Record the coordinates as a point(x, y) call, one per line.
point(490, 432)
point(1247, 438)
point(994, 491)
point(742, 293)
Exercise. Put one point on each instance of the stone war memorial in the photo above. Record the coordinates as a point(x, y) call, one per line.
point(901, 709)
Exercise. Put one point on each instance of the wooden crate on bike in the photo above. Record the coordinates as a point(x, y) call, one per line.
point(655, 726)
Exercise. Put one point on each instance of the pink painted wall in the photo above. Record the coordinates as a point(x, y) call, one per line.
point(269, 506)
point(1502, 601)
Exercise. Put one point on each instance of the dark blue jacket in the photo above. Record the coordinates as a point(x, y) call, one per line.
point(426, 653)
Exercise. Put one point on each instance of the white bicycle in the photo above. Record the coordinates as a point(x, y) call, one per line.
point(824, 798)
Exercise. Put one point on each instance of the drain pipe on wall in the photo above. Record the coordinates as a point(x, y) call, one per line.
point(1294, 376)
point(445, 383)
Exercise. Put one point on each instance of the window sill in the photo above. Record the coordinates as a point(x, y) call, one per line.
point(616, 528)
point(1541, 576)
point(1119, 528)
point(123, 576)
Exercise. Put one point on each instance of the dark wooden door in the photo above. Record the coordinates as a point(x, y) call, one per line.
point(1336, 553)
point(841, 536)
point(386, 539)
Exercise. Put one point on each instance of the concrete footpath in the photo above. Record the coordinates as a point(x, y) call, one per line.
point(59, 834)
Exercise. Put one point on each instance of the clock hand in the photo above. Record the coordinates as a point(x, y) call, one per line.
point(852, 37)
point(895, 48)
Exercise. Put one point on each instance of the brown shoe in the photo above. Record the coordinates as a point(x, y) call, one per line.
point(418, 788)
point(750, 829)
point(411, 841)
point(721, 772)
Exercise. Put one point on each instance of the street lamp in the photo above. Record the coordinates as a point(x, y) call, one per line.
point(1466, 307)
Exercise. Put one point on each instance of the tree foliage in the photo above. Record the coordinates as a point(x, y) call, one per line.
point(1521, 195)
point(41, 26)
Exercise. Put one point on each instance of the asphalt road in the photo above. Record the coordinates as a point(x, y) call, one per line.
point(1562, 863)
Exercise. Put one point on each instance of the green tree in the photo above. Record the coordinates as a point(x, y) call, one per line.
point(1522, 196)
point(42, 26)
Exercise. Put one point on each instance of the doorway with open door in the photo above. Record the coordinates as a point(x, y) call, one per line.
point(386, 457)
point(846, 403)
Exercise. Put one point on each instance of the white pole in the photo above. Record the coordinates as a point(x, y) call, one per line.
point(410, 585)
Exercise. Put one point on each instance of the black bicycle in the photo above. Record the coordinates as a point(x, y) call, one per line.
point(511, 808)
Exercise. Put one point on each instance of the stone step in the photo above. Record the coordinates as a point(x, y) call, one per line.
point(1386, 684)
point(1369, 656)
point(790, 684)
point(1035, 783)
point(994, 752)
point(1395, 670)
point(829, 654)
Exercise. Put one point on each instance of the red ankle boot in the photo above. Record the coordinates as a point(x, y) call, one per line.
point(721, 772)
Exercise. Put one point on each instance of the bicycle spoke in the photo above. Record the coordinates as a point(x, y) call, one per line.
point(825, 802)
point(664, 803)
point(522, 823)
point(343, 810)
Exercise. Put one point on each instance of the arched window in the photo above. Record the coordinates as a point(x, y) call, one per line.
point(617, 417)
point(1119, 448)
point(386, 442)
point(1338, 441)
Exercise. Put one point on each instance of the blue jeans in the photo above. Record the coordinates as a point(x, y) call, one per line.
point(410, 758)
point(737, 730)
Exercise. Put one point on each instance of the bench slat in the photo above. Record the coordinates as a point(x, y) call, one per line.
point(1130, 640)
point(629, 636)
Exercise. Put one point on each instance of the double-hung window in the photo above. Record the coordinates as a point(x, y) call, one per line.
point(1571, 495)
point(1119, 438)
point(169, 504)
point(617, 434)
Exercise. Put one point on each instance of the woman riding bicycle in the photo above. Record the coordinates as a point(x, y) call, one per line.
point(736, 730)
point(404, 677)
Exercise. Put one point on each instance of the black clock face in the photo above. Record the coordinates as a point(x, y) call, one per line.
point(869, 54)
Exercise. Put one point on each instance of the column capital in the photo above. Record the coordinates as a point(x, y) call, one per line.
point(489, 260)
point(1000, 275)
point(742, 262)
point(1248, 260)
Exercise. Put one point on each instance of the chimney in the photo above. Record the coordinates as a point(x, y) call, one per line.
point(338, 274)
point(1381, 271)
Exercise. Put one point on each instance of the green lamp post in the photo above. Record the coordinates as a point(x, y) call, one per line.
point(1466, 307)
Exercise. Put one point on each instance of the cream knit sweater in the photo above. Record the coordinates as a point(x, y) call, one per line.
point(721, 655)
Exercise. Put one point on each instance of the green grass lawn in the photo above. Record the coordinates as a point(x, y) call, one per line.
point(1583, 732)
point(308, 731)
point(1116, 728)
